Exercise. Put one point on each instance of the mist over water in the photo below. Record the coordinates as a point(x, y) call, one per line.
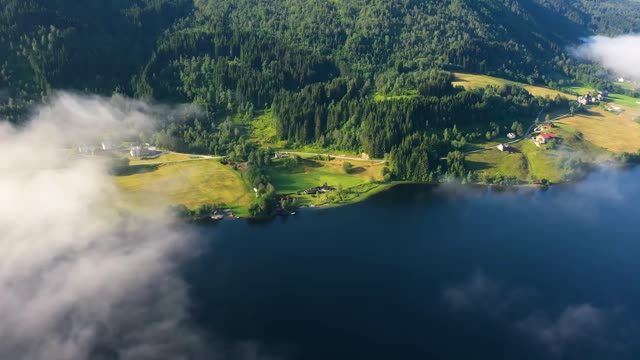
point(448, 272)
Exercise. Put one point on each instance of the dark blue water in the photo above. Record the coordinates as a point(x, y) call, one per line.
point(425, 272)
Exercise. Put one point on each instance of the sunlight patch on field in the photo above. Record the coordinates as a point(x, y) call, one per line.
point(472, 81)
point(616, 133)
point(313, 173)
point(262, 131)
point(409, 95)
point(192, 183)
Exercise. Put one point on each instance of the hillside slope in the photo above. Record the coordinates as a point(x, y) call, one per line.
point(100, 46)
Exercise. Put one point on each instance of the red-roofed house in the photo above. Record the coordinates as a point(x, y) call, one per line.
point(544, 138)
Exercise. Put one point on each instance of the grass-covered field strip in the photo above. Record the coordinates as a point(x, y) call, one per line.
point(471, 81)
point(408, 95)
point(163, 158)
point(191, 183)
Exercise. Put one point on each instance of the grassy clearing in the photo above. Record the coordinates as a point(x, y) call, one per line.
point(409, 94)
point(192, 183)
point(493, 163)
point(312, 173)
point(262, 131)
point(615, 132)
point(472, 81)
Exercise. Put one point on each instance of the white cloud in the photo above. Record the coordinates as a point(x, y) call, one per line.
point(575, 324)
point(619, 54)
point(483, 293)
point(77, 275)
point(574, 328)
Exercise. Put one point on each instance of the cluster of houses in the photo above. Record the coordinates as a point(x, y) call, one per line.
point(138, 151)
point(317, 190)
point(589, 99)
point(544, 136)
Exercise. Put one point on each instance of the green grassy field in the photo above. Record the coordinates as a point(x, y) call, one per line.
point(313, 173)
point(471, 81)
point(349, 196)
point(529, 162)
point(526, 164)
point(191, 183)
point(494, 163)
point(541, 164)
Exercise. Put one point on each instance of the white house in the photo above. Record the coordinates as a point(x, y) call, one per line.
point(107, 145)
point(511, 135)
point(504, 147)
point(136, 151)
point(85, 149)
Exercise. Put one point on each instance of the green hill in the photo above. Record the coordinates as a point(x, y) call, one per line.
point(357, 76)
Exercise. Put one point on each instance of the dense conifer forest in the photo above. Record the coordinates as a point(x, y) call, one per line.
point(315, 64)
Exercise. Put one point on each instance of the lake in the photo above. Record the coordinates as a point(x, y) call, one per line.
point(422, 272)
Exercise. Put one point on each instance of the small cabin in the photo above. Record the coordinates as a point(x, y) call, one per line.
point(504, 147)
point(511, 135)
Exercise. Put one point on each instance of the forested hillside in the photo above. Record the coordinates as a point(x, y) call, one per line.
point(93, 45)
point(316, 64)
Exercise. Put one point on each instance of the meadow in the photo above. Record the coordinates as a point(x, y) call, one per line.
point(312, 173)
point(526, 163)
point(190, 183)
point(614, 132)
point(472, 81)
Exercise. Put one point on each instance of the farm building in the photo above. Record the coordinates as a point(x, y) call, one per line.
point(140, 151)
point(586, 100)
point(544, 138)
point(602, 95)
point(504, 147)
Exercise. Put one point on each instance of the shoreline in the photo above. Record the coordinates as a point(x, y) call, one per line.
point(383, 187)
